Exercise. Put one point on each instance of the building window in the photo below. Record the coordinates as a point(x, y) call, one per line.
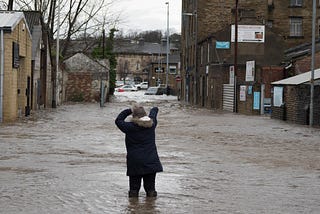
point(15, 55)
point(295, 26)
point(138, 66)
point(208, 52)
point(172, 69)
point(296, 3)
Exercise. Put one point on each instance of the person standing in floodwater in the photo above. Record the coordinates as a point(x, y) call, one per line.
point(142, 157)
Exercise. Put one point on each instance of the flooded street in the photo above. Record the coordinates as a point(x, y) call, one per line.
point(73, 160)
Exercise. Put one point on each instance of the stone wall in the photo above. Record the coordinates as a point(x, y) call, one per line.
point(216, 15)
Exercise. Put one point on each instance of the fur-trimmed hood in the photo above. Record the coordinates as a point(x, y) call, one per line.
point(145, 121)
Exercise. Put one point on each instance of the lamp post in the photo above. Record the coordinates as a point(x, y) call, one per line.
point(235, 56)
point(167, 72)
point(312, 62)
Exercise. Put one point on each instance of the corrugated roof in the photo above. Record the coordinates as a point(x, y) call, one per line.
point(33, 19)
point(9, 19)
point(299, 79)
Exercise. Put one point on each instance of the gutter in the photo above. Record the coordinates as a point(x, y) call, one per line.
point(1, 73)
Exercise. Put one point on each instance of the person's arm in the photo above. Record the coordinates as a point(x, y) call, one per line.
point(153, 115)
point(120, 120)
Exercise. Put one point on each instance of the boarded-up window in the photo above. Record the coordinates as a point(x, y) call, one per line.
point(15, 55)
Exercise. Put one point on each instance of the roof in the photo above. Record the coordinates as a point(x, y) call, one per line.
point(301, 50)
point(299, 79)
point(33, 19)
point(81, 62)
point(173, 58)
point(140, 47)
point(9, 19)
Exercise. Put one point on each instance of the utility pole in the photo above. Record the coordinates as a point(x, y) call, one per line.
point(167, 72)
point(54, 87)
point(312, 62)
point(235, 56)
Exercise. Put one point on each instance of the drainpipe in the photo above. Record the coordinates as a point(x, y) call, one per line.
point(1, 74)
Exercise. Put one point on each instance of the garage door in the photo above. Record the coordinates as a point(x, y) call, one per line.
point(228, 97)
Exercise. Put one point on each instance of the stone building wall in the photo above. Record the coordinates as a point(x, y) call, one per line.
point(15, 79)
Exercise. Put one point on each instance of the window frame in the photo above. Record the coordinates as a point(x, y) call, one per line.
point(296, 27)
point(296, 3)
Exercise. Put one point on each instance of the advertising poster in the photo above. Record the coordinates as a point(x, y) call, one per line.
point(231, 75)
point(250, 89)
point(256, 100)
point(243, 89)
point(222, 45)
point(250, 70)
point(249, 33)
point(277, 96)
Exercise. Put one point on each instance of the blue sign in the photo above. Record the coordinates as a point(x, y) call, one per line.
point(222, 45)
point(256, 100)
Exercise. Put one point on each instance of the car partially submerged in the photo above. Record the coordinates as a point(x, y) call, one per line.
point(126, 88)
point(155, 91)
point(142, 85)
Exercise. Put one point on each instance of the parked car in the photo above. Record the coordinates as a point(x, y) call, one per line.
point(119, 83)
point(127, 88)
point(155, 91)
point(142, 85)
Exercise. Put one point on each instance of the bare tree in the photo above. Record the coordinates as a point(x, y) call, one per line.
point(83, 18)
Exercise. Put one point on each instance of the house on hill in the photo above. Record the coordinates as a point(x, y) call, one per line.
point(135, 58)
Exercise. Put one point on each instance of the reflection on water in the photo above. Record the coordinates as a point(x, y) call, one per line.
point(72, 160)
point(142, 205)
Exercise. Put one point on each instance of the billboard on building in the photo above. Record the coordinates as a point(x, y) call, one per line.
point(249, 33)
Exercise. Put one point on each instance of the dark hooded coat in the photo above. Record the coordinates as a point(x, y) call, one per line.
point(142, 155)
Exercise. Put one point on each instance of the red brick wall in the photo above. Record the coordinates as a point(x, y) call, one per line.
point(270, 74)
point(79, 87)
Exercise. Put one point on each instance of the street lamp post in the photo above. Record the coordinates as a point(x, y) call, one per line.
point(167, 72)
point(312, 62)
point(235, 56)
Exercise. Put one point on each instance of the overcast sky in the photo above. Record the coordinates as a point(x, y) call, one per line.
point(142, 15)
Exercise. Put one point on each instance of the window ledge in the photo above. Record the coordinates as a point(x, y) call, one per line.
point(295, 37)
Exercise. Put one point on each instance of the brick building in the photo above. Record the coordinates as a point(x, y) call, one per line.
point(15, 66)
point(206, 69)
point(84, 79)
point(291, 99)
point(158, 75)
point(135, 59)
